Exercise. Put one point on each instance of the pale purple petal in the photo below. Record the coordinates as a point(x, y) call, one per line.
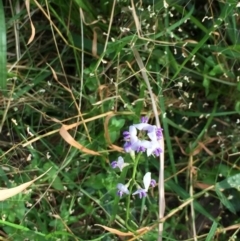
point(127, 147)
point(153, 183)
point(143, 126)
point(159, 133)
point(145, 144)
point(126, 135)
point(119, 163)
point(114, 164)
point(152, 135)
point(157, 151)
point(122, 189)
point(142, 193)
point(144, 119)
point(147, 181)
point(154, 148)
point(141, 145)
point(132, 131)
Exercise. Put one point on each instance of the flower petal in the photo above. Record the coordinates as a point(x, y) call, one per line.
point(152, 135)
point(153, 183)
point(141, 192)
point(132, 131)
point(154, 145)
point(143, 126)
point(147, 180)
point(144, 119)
point(120, 161)
point(122, 188)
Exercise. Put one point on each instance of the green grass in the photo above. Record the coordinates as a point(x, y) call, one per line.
point(73, 74)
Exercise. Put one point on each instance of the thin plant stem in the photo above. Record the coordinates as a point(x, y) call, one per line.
point(131, 187)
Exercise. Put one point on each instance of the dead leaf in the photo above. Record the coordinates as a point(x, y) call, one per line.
point(27, 2)
point(69, 139)
point(115, 231)
point(123, 234)
point(7, 193)
point(94, 43)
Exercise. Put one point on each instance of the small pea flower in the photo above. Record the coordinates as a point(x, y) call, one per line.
point(119, 163)
point(153, 183)
point(122, 189)
point(147, 181)
point(133, 143)
point(151, 145)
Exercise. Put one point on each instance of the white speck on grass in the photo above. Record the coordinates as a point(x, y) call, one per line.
point(195, 64)
point(186, 78)
point(29, 157)
point(14, 121)
point(205, 105)
point(103, 61)
point(186, 94)
point(165, 4)
point(171, 15)
point(48, 155)
point(29, 132)
point(179, 84)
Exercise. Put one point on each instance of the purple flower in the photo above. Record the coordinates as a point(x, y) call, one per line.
point(154, 148)
point(151, 146)
point(153, 131)
point(132, 141)
point(119, 163)
point(122, 189)
point(159, 133)
point(144, 127)
point(141, 192)
point(153, 183)
point(147, 181)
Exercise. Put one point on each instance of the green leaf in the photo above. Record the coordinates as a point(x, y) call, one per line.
point(217, 69)
point(95, 181)
point(119, 123)
point(237, 106)
point(206, 84)
point(212, 231)
point(224, 199)
point(230, 197)
point(53, 178)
